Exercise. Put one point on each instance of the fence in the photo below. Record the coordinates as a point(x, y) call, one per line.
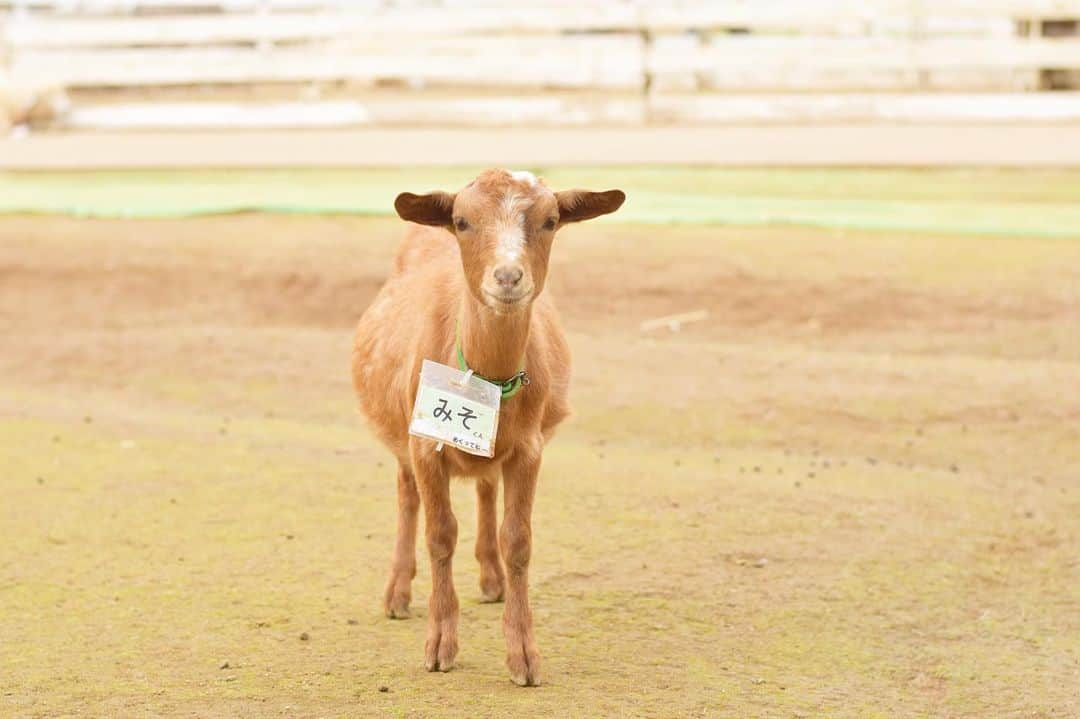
point(549, 62)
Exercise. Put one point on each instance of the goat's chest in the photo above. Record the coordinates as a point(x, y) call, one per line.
point(518, 423)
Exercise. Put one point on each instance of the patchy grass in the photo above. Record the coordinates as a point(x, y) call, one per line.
point(851, 492)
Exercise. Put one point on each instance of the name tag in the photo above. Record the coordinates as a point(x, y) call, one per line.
point(465, 416)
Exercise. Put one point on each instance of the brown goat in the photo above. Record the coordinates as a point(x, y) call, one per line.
point(468, 285)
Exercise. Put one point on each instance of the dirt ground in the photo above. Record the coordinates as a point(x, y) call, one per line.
point(853, 491)
point(749, 144)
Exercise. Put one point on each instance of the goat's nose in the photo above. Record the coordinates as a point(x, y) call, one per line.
point(508, 276)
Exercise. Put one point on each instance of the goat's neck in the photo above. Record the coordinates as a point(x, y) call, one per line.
point(493, 344)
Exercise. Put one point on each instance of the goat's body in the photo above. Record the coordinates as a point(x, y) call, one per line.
point(414, 317)
point(478, 292)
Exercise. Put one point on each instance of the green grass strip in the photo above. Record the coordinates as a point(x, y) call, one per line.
point(1042, 203)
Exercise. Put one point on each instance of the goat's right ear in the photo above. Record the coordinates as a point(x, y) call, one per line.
point(434, 208)
point(578, 205)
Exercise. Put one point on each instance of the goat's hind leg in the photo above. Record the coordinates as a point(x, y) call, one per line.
point(403, 565)
point(492, 578)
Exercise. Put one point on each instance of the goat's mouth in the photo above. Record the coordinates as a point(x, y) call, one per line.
point(506, 301)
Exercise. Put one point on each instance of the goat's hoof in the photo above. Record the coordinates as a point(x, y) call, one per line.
point(440, 649)
point(439, 665)
point(396, 604)
point(398, 612)
point(524, 668)
point(491, 591)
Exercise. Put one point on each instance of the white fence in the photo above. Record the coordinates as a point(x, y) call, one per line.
point(546, 61)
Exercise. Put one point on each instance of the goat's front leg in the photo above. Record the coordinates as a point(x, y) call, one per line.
point(492, 579)
point(440, 527)
point(519, 480)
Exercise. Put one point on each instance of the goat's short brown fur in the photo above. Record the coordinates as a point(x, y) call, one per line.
point(478, 263)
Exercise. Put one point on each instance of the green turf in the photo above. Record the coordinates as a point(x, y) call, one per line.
point(991, 202)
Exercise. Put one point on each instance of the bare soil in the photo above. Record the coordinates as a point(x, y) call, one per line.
point(852, 491)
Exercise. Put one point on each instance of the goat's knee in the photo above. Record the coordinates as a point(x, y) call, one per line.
point(441, 533)
point(409, 500)
point(516, 541)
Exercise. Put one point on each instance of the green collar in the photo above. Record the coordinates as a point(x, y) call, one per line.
point(509, 387)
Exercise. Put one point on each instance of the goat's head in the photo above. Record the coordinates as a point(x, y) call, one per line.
point(504, 223)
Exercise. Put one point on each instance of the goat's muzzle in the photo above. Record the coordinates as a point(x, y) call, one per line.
point(508, 276)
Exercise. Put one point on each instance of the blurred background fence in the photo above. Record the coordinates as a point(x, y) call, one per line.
point(160, 64)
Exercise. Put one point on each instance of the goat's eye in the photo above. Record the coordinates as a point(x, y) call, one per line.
point(550, 224)
point(461, 224)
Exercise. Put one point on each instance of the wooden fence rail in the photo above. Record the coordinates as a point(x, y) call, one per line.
point(680, 53)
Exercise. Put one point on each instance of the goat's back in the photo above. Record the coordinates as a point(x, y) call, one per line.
point(422, 246)
point(409, 319)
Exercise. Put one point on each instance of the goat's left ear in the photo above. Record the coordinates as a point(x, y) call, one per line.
point(434, 208)
point(578, 205)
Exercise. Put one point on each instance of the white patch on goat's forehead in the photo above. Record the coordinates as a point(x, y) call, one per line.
point(511, 227)
point(511, 220)
point(511, 244)
point(524, 176)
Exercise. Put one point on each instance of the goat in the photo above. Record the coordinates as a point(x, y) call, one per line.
point(466, 289)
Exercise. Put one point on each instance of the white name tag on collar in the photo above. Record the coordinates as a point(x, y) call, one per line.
point(456, 408)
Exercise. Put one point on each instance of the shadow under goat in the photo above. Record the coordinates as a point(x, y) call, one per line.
point(466, 291)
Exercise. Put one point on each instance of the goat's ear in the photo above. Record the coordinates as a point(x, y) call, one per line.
point(434, 208)
point(578, 205)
